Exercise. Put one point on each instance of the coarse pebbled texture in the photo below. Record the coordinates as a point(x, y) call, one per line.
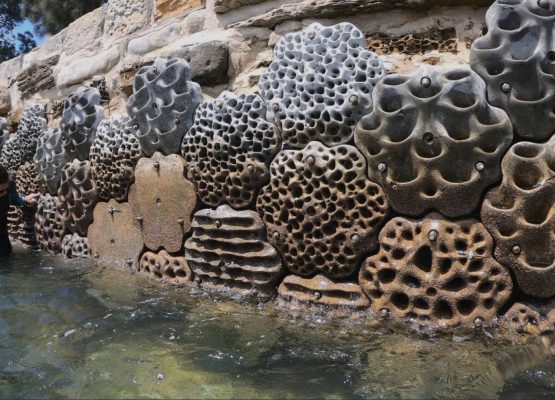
point(79, 195)
point(114, 154)
point(321, 211)
point(50, 158)
point(21, 147)
point(227, 252)
point(320, 84)
point(27, 179)
point(520, 215)
point(50, 223)
point(433, 140)
point(442, 40)
point(436, 272)
point(516, 58)
point(75, 246)
point(163, 201)
point(229, 148)
point(523, 318)
point(80, 118)
point(115, 236)
point(165, 267)
point(322, 291)
point(162, 105)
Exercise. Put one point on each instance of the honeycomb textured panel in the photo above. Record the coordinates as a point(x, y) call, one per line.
point(79, 195)
point(50, 223)
point(14, 220)
point(50, 158)
point(27, 234)
point(75, 246)
point(433, 142)
point(27, 179)
point(516, 58)
point(435, 272)
point(522, 318)
point(520, 214)
point(115, 236)
point(320, 84)
point(320, 290)
point(229, 149)
point(162, 105)
point(163, 200)
point(21, 147)
point(228, 252)
point(114, 154)
point(81, 116)
point(163, 266)
point(27, 182)
point(321, 211)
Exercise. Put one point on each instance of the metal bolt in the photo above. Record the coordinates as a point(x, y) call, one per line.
point(516, 250)
point(157, 264)
point(311, 35)
point(433, 235)
point(480, 166)
point(140, 220)
point(129, 262)
point(478, 322)
point(136, 127)
point(317, 295)
point(154, 69)
point(426, 82)
point(218, 223)
point(506, 87)
point(355, 238)
point(382, 167)
point(96, 255)
point(250, 168)
point(156, 165)
point(177, 121)
point(310, 160)
point(198, 281)
point(181, 221)
point(275, 107)
point(384, 312)
point(111, 210)
point(353, 99)
point(275, 235)
point(543, 4)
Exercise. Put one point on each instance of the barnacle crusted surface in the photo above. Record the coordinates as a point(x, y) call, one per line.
point(162, 105)
point(520, 214)
point(27, 179)
point(163, 266)
point(227, 251)
point(320, 290)
point(163, 200)
point(433, 140)
point(321, 211)
point(79, 195)
point(320, 83)
point(50, 223)
point(114, 154)
point(50, 158)
point(435, 271)
point(516, 58)
point(21, 147)
point(115, 236)
point(229, 149)
point(81, 116)
point(75, 246)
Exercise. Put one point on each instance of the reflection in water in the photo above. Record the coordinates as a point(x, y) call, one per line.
point(68, 329)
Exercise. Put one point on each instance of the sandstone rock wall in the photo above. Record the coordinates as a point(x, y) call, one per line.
point(228, 43)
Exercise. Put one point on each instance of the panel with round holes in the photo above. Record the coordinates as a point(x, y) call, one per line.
point(163, 266)
point(433, 142)
point(75, 246)
point(520, 215)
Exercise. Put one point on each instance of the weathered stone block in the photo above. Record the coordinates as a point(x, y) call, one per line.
point(168, 269)
point(167, 8)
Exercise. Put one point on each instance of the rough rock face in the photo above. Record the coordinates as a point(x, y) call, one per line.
point(21, 147)
point(443, 40)
point(435, 271)
point(50, 223)
point(75, 246)
point(165, 267)
point(227, 252)
point(114, 154)
point(433, 140)
point(223, 6)
point(321, 211)
point(229, 149)
point(166, 8)
point(38, 77)
point(320, 290)
point(124, 16)
point(163, 200)
point(209, 62)
point(50, 158)
point(162, 105)
point(520, 214)
point(81, 116)
point(320, 83)
point(115, 236)
point(516, 59)
point(79, 195)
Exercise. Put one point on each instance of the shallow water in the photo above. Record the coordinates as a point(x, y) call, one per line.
point(69, 329)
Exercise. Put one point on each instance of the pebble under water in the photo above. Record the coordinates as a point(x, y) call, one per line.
point(69, 329)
